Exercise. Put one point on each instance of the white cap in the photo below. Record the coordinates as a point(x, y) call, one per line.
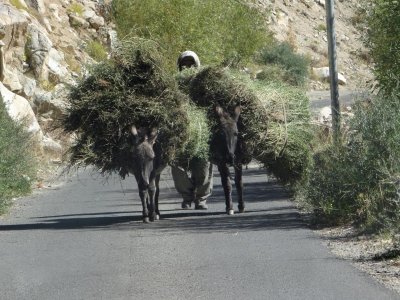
point(189, 54)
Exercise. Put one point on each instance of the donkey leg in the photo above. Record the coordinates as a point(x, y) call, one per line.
point(152, 206)
point(157, 182)
point(226, 184)
point(239, 186)
point(143, 193)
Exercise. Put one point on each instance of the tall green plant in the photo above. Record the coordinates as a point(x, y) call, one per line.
point(17, 164)
point(294, 66)
point(383, 40)
point(218, 31)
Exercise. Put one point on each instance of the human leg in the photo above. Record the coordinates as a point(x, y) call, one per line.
point(183, 185)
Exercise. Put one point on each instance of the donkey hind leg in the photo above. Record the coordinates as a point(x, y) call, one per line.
point(226, 184)
point(239, 186)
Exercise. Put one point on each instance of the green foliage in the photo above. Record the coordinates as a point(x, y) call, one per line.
point(17, 164)
point(76, 8)
point(360, 180)
point(96, 50)
point(208, 27)
point(295, 67)
point(286, 148)
point(17, 4)
point(383, 40)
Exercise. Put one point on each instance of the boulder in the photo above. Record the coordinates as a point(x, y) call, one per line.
point(51, 104)
point(325, 115)
point(96, 22)
point(38, 46)
point(78, 22)
point(11, 81)
point(20, 111)
point(322, 74)
point(28, 85)
point(13, 25)
point(37, 5)
point(51, 146)
point(53, 8)
point(55, 66)
point(89, 13)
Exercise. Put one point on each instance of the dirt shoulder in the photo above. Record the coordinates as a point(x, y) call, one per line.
point(369, 253)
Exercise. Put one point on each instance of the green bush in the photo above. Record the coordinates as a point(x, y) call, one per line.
point(96, 50)
point(17, 164)
point(76, 8)
point(360, 179)
point(295, 67)
point(383, 40)
point(208, 27)
point(17, 4)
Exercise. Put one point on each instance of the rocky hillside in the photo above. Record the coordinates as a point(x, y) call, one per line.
point(303, 24)
point(46, 44)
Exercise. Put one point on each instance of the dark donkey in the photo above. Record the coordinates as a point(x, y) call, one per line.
point(226, 151)
point(147, 167)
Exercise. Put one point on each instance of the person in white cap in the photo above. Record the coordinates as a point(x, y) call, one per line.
point(197, 186)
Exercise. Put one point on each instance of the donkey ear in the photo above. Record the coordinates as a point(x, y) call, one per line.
point(219, 111)
point(153, 135)
point(237, 112)
point(134, 130)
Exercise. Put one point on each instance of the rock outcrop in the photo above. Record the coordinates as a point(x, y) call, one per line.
point(42, 48)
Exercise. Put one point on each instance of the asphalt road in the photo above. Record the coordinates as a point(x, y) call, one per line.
point(84, 239)
point(320, 99)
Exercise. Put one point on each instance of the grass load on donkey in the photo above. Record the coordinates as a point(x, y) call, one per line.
point(131, 88)
point(274, 123)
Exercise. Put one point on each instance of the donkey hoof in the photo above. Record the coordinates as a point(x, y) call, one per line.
point(157, 217)
point(231, 212)
point(146, 220)
point(241, 210)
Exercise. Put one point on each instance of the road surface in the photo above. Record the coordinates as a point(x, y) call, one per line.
point(84, 239)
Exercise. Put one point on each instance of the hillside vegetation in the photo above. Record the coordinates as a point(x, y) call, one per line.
point(17, 162)
point(358, 180)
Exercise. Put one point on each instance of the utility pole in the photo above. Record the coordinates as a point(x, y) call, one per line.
point(333, 73)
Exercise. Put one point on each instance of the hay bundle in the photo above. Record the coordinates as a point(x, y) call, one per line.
point(274, 123)
point(286, 151)
point(197, 145)
point(216, 86)
point(130, 88)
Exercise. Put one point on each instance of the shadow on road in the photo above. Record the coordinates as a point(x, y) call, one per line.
point(270, 210)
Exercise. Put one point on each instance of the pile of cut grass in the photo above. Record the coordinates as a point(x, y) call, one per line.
point(274, 123)
point(131, 88)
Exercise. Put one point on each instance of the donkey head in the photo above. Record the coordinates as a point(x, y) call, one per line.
point(143, 152)
point(228, 133)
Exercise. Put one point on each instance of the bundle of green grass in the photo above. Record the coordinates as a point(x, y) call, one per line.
point(286, 149)
point(274, 124)
point(131, 88)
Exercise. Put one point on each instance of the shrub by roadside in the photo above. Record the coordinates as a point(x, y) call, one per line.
point(17, 162)
point(359, 180)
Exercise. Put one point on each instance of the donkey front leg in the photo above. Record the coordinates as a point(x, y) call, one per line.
point(151, 203)
point(226, 184)
point(144, 195)
point(239, 186)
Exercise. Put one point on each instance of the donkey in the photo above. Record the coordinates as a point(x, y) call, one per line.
point(225, 151)
point(147, 166)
